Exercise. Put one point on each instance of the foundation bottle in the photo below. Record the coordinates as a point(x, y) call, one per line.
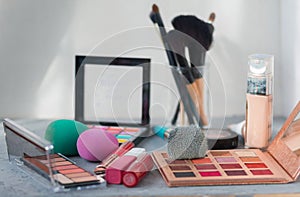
point(259, 113)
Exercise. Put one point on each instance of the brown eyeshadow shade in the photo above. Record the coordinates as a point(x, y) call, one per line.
point(261, 172)
point(236, 173)
point(256, 165)
point(84, 179)
point(44, 157)
point(221, 153)
point(201, 161)
point(54, 160)
point(67, 167)
point(231, 166)
point(205, 167)
point(181, 167)
point(250, 159)
point(78, 175)
point(62, 163)
point(71, 171)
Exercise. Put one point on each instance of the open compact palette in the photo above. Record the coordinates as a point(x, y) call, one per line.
point(280, 163)
point(32, 153)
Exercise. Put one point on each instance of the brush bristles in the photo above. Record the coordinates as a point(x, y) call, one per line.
point(187, 143)
point(155, 8)
point(212, 17)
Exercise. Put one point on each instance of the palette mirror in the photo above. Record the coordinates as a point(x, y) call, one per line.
point(292, 135)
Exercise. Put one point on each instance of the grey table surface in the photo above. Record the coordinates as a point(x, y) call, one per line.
point(15, 182)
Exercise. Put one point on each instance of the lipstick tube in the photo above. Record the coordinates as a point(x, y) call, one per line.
point(137, 170)
point(114, 172)
point(259, 113)
point(123, 149)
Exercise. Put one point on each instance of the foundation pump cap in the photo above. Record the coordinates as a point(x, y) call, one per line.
point(261, 64)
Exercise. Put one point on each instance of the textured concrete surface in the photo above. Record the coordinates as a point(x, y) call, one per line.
point(15, 182)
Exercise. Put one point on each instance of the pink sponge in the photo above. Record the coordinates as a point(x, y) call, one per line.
point(96, 144)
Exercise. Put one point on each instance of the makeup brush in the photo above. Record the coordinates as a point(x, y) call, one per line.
point(177, 41)
point(180, 83)
point(202, 33)
point(184, 142)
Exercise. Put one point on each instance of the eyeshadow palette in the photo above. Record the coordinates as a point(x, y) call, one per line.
point(123, 134)
point(280, 163)
point(35, 155)
point(63, 170)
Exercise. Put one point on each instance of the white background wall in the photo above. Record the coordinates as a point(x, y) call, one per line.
point(290, 53)
point(39, 40)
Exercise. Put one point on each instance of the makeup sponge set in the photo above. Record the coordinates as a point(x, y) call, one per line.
point(70, 138)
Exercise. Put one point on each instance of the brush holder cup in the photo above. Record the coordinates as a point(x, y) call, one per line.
point(193, 89)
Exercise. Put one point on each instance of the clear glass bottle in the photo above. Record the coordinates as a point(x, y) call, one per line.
point(259, 104)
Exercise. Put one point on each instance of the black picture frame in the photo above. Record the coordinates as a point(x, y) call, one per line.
point(81, 61)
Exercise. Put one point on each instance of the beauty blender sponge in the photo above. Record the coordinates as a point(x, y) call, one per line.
point(63, 134)
point(96, 144)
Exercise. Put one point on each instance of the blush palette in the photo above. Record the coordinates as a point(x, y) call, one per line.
point(278, 164)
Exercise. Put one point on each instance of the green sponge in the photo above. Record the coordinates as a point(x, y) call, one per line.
point(63, 134)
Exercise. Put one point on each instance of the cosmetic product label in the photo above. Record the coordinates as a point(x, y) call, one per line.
point(259, 85)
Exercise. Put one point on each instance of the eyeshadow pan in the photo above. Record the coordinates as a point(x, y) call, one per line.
point(181, 167)
point(132, 129)
point(62, 163)
point(201, 161)
point(115, 129)
point(121, 141)
point(236, 173)
point(205, 167)
point(184, 174)
point(250, 159)
point(78, 175)
point(123, 136)
point(210, 173)
point(261, 172)
point(256, 165)
point(115, 132)
point(84, 179)
point(245, 153)
point(62, 179)
point(231, 166)
point(67, 167)
point(52, 160)
point(44, 157)
point(225, 159)
point(71, 171)
point(221, 153)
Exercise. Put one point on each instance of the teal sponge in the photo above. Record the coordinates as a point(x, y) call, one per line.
point(63, 134)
